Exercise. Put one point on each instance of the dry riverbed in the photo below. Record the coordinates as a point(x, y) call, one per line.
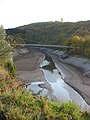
point(28, 71)
point(28, 66)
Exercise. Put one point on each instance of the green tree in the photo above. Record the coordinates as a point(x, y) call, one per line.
point(5, 48)
point(10, 67)
point(81, 45)
point(2, 33)
point(74, 41)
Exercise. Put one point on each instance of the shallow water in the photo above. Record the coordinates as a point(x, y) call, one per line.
point(60, 89)
point(36, 89)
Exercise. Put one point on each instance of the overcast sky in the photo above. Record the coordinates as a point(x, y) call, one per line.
point(15, 13)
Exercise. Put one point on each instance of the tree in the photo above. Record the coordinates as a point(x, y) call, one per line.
point(2, 33)
point(74, 41)
point(5, 48)
point(81, 45)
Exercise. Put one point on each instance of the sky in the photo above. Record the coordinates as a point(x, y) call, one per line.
point(14, 13)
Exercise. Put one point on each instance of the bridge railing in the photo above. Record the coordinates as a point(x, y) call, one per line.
point(42, 45)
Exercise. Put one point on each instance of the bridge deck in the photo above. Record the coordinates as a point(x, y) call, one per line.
point(40, 45)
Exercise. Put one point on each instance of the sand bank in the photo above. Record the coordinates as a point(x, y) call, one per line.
point(28, 66)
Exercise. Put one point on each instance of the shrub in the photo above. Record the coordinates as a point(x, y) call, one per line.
point(10, 67)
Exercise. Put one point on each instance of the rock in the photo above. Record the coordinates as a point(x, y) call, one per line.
point(64, 56)
point(87, 74)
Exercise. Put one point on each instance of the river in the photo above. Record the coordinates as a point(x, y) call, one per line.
point(59, 90)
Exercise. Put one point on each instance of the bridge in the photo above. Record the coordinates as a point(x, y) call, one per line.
point(42, 45)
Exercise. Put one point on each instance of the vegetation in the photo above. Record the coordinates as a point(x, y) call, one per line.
point(17, 103)
point(57, 33)
point(10, 67)
point(5, 53)
point(51, 32)
point(14, 40)
point(81, 45)
point(5, 48)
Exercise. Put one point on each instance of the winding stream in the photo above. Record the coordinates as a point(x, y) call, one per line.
point(59, 90)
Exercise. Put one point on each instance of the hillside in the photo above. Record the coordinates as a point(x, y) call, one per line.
point(51, 32)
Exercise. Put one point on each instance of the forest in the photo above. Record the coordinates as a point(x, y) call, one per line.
point(62, 33)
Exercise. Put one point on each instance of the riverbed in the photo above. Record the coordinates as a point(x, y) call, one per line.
point(57, 89)
point(43, 76)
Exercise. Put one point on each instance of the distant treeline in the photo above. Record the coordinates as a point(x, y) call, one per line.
point(55, 33)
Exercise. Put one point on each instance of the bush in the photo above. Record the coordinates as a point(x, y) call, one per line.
point(81, 46)
point(10, 67)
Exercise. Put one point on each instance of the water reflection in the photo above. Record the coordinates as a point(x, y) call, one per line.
point(49, 65)
point(36, 89)
point(61, 90)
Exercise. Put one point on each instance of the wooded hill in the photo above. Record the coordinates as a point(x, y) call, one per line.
point(51, 32)
point(68, 33)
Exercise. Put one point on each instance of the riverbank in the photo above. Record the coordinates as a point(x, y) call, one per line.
point(73, 76)
point(74, 70)
point(28, 66)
